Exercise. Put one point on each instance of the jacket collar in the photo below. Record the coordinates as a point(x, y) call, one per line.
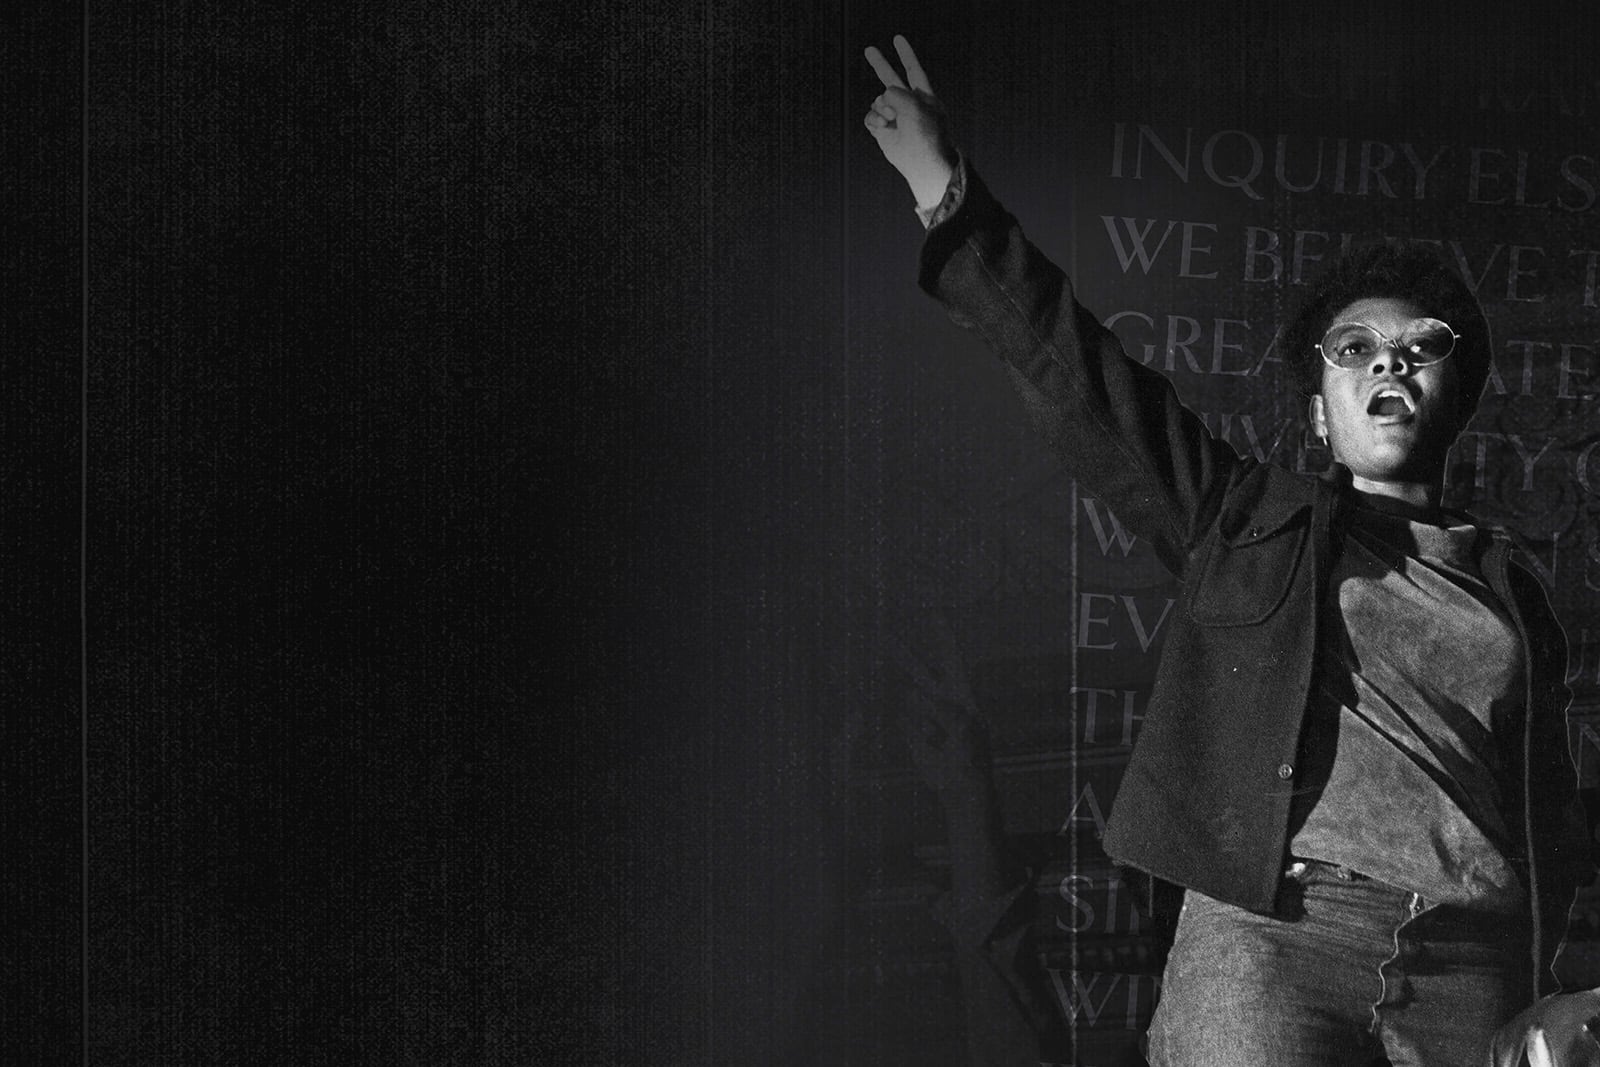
point(1338, 478)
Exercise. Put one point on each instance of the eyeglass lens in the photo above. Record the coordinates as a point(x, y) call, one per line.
point(1352, 344)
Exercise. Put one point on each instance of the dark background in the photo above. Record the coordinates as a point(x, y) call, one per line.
point(491, 415)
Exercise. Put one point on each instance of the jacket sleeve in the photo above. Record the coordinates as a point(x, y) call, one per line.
point(1560, 831)
point(1555, 762)
point(1117, 425)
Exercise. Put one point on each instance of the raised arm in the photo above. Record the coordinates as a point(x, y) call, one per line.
point(1117, 425)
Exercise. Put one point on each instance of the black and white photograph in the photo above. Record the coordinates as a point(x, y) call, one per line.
point(1062, 535)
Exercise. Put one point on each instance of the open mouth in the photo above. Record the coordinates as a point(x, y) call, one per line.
point(1391, 402)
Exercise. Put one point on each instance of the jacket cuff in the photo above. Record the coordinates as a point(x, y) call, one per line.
point(967, 206)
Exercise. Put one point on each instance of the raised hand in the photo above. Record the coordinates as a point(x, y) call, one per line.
point(910, 126)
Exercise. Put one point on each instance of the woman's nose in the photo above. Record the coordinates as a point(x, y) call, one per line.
point(1391, 359)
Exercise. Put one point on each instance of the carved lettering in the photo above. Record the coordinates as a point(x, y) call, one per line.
point(1515, 270)
point(1259, 243)
point(1092, 813)
point(1137, 247)
point(1565, 372)
point(1418, 168)
point(1118, 912)
point(1590, 257)
point(1116, 532)
point(1569, 171)
point(1089, 715)
point(1477, 174)
point(1083, 998)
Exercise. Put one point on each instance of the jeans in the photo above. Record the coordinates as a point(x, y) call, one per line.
point(1358, 970)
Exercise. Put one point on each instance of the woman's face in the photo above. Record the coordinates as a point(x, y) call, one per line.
point(1388, 421)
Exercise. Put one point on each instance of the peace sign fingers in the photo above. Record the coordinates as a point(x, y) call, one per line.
point(882, 67)
point(916, 79)
point(915, 75)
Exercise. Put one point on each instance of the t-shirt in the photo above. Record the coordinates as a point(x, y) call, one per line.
point(1419, 668)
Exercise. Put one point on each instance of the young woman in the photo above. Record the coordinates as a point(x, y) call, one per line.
point(1355, 754)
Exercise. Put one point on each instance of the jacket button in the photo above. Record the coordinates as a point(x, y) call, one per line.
point(1285, 771)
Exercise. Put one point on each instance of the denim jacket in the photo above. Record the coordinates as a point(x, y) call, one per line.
point(1204, 802)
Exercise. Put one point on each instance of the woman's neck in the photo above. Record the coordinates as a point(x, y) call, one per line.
point(1409, 500)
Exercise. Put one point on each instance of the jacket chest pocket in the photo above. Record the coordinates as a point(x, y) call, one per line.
point(1246, 576)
